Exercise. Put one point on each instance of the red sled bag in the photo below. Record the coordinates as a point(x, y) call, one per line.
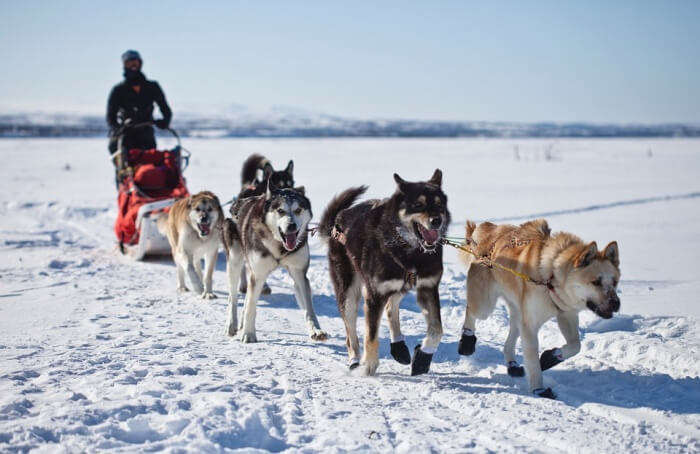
point(150, 176)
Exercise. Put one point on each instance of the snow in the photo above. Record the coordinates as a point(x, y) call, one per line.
point(99, 352)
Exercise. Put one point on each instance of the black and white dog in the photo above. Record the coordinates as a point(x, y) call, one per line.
point(252, 185)
point(269, 231)
point(382, 249)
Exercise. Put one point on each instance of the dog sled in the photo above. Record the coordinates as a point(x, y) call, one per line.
point(148, 182)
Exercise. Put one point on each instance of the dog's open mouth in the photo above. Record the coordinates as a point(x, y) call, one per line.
point(428, 237)
point(204, 228)
point(289, 240)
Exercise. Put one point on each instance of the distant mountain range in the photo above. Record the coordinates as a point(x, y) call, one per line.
point(238, 121)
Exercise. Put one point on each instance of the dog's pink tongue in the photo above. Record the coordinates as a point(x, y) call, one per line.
point(204, 228)
point(290, 240)
point(430, 236)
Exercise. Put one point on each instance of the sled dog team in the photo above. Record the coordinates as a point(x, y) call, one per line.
point(382, 248)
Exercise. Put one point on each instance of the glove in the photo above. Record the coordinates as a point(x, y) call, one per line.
point(162, 124)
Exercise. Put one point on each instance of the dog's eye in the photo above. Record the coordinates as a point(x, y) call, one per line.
point(598, 282)
point(280, 211)
point(418, 206)
point(297, 211)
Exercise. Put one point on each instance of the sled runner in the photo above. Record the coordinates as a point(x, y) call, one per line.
point(148, 183)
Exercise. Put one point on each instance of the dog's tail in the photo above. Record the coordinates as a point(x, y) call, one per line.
point(249, 172)
point(466, 257)
point(340, 202)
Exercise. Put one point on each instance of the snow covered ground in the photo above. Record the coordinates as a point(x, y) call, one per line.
point(98, 352)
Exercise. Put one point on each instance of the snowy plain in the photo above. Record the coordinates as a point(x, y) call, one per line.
point(99, 352)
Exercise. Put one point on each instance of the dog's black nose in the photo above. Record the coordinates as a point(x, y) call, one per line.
point(292, 227)
point(436, 222)
point(204, 218)
point(614, 302)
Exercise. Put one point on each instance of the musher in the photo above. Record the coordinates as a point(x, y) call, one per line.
point(132, 100)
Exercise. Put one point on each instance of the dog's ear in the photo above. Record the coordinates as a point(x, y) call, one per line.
point(401, 183)
point(268, 191)
point(189, 202)
point(469, 229)
point(436, 179)
point(587, 255)
point(267, 170)
point(301, 190)
point(290, 168)
point(612, 253)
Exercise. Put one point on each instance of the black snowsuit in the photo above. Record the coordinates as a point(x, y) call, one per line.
point(124, 103)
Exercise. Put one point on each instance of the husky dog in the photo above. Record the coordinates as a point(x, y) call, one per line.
point(382, 249)
point(193, 229)
point(252, 186)
point(573, 276)
point(269, 231)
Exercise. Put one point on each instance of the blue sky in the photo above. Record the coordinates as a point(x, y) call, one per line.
point(607, 61)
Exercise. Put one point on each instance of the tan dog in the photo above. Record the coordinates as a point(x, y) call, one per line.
point(572, 276)
point(193, 227)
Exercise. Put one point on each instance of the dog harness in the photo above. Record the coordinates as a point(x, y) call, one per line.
point(487, 261)
point(410, 277)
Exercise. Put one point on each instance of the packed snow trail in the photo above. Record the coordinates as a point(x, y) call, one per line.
point(100, 352)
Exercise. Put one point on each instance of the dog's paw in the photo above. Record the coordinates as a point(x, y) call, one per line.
point(318, 335)
point(208, 296)
point(515, 369)
point(369, 370)
point(369, 367)
point(547, 393)
point(248, 338)
point(231, 325)
point(550, 358)
point(400, 352)
point(266, 290)
point(421, 362)
point(467, 345)
point(182, 289)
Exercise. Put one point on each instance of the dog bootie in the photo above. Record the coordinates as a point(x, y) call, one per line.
point(467, 344)
point(515, 369)
point(421, 362)
point(547, 393)
point(399, 351)
point(550, 358)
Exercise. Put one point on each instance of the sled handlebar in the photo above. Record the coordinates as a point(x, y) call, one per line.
point(123, 128)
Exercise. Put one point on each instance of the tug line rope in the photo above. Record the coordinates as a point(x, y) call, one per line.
point(490, 263)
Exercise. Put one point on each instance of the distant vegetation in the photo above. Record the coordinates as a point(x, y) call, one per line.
point(313, 125)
